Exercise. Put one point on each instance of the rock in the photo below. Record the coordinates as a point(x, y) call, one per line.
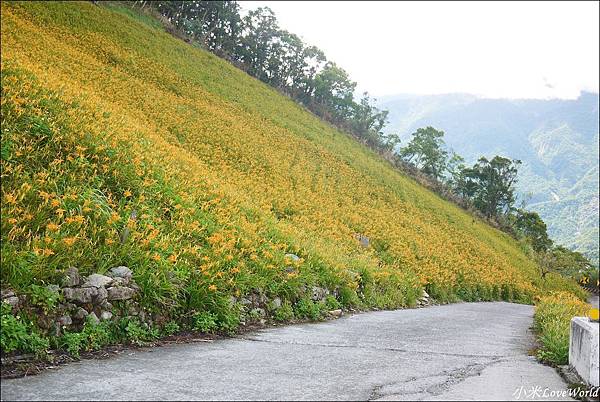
point(318, 293)
point(6, 293)
point(120, 293)
point(97, 281)
point(53, 288)
point(336, 313)
point(45, 322)
point(293, 257)
point(257, 312)
point(232, 300)
point(80, 295)
point(101, 296)
point(106, 305)
point(425, 294)
point(289, 269)
point(106, 315)
point(12, 300)
point(245, 301)
point(63, 307)
point(80, 314)
point(120, 282)
point(57, 329)
point(133, 312)
point(276, 303)
point(258, 299)
point(121, 272)
point(64, 321)
point(362, 240)
point(71, 278)
point(93, 318)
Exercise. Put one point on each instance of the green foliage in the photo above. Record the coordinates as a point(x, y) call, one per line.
point(139, 333)
point(96, 335)
point(490, 184)
point(228, 321)
point(284, 313)
point(427, 151)
point(5, 149)
point(19, 334)
point(73, 342)
point(529, 225)
point(306, 308)
point(348, 297)
point(43, 297)
point(552, 319)
point(331, 303)
point(93, 337)
point(170, 328)
point(205, 321)
point(563, 261)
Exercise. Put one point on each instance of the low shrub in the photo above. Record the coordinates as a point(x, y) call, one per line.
point(205, 321)
point(284, 313)
point(306, 308)
point(18, 334)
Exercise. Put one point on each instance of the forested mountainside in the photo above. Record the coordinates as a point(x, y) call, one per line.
point(557, 140)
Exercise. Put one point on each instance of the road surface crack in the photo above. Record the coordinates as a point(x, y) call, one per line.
point(447, 379)
point(391, 349)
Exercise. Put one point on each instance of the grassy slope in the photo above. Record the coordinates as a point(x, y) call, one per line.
point(103, 115)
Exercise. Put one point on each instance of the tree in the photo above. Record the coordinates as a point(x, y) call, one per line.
point(454, 166)
point(570, 262)
point(563, 261)
point(335, 91)
point(367, 121)
point(260, 32)
point(390, 142)
point(304, 84)
point(427, 151)
point(529, 225)
point(216, 24)
point(490, 184)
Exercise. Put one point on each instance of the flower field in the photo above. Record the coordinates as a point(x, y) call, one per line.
point(122, 145)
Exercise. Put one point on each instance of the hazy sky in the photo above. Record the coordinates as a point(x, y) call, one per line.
point(504, 49)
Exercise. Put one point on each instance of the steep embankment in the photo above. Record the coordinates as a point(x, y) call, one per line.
point(122, 145)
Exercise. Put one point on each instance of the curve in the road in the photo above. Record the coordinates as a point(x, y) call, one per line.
point(461, 351)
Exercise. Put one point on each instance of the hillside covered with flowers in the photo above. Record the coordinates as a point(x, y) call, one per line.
point(125, 146)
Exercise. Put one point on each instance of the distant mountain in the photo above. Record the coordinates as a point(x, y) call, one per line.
point(557, 140)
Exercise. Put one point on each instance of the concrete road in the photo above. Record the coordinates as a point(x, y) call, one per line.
point(467, 351)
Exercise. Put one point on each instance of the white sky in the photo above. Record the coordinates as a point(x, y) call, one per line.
point(491, 49)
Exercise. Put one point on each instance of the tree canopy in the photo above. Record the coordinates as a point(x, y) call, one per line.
point(529, 225)
point(490, 184)
point(427, 151)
